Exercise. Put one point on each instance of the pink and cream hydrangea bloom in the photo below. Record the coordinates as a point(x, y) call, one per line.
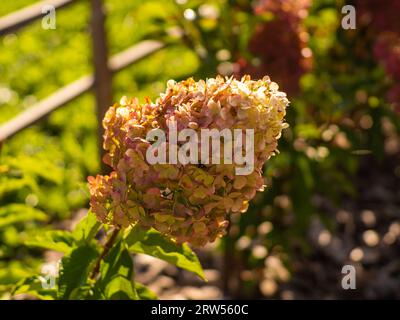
point(191, 202)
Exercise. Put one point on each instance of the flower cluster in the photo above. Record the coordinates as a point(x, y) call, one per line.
point(381, 20)
point(191, 202)
point(284, 33)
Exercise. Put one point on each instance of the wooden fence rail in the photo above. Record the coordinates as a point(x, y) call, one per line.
point(16, 20)
point(75, 89)
point(100, 80)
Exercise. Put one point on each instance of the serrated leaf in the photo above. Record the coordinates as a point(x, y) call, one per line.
point(87, 228)
point(74, 270)
point(20, 213)
point(153, 243)
point(117, 264)
point(13, 271)
point(13, 208)
point(33, 286)
point(10, 185)
point(120, 288)
point(58, 240)
point(39, 167)
point(144, 293)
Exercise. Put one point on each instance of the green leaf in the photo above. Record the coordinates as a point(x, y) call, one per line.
point(117, 262)
point(33, 286)
point(87, 228)
point(74, 271)
point(120, 288)
point(13, 208)
point(144, 293)
point(57, 240)
point(153, 243)
point(10, 185)
point(19, 213)
point(39, 167)
point(116, 274)
point(13, 271)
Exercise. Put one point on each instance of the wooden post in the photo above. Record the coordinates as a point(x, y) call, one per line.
point(102, 73)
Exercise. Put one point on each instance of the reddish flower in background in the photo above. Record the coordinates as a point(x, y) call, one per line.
point(283, 34)
point(382, 20)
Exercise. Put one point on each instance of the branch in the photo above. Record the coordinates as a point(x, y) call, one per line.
point(106, 248)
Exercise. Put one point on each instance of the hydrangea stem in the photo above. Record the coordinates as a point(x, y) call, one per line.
point(106, 248)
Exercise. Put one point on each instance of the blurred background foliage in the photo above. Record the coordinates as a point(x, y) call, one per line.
point(332, 193)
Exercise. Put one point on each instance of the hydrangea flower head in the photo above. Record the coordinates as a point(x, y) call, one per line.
point(186, 202)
